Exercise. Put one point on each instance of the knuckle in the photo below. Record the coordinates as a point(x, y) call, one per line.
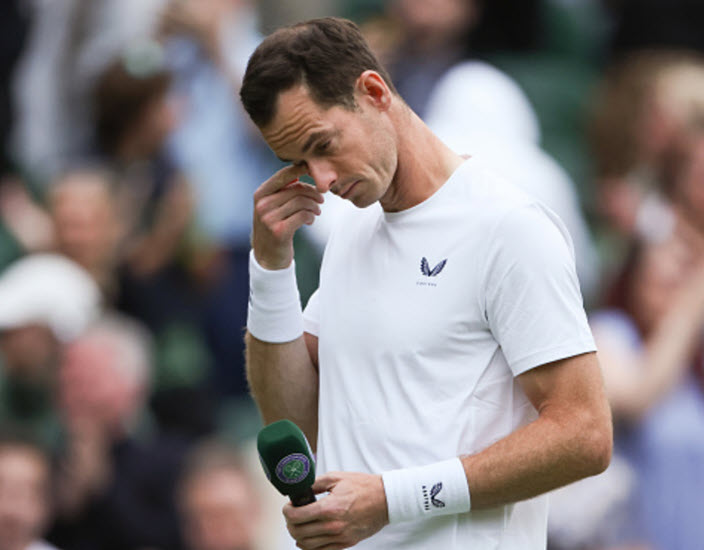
point(267, 219)
point(279, 230)
point(261, 207)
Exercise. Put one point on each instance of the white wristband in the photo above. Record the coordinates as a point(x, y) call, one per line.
point(274, 314)
point(426, 491)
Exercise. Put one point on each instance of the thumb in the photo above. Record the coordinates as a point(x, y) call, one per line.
point(325, 483)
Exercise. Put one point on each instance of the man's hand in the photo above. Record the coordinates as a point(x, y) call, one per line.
point(354, 510)
point(282, 204)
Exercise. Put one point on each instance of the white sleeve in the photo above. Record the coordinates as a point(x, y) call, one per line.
point(311, 315)
point(533, 303)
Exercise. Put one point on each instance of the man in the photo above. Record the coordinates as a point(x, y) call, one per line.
point(46, 300)
point(24, 494)
point(448, 397)
point(114, 486)
point(218, 502)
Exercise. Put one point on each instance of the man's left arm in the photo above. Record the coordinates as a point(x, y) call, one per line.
point(571, 439)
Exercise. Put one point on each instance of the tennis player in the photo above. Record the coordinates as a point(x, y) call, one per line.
point(444, 369)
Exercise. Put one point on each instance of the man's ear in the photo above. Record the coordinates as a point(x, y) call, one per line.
point(370, 86)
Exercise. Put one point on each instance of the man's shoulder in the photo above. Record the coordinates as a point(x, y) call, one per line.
point(483, 183)
point(479, 194)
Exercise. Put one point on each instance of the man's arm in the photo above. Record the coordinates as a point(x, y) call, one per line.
point(570, 439)
point(283, 377)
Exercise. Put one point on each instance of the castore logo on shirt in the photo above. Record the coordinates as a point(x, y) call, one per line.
point(427, 272)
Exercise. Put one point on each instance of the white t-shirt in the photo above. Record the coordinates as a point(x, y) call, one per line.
point(424, 318)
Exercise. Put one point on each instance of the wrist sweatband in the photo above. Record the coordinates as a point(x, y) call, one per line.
point(274, 314)
point(426, 491)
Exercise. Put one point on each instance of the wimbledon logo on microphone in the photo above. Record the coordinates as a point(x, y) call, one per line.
point(293, 468)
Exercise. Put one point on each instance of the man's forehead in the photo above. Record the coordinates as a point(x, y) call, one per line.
point(297, 116)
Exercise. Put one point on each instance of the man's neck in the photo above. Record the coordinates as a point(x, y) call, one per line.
point(424, 163)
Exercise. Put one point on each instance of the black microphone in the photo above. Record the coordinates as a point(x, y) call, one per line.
point(287, 461)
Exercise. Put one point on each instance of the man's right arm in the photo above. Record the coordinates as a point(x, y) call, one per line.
point(283, 379)
point(282, 374)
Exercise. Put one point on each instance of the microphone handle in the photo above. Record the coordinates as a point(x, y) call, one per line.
point(301, 499)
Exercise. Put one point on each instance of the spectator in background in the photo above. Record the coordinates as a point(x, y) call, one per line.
point(45, 301)
point(646, 106)
point(159, 277)
point(419, 40)
point(207, 44)
point(70, 43)
point(433, 37)
point(115, 489)
point(88, 226)
point(24, 494)
point(650, 354)
point(650, 342)
point(218, 502)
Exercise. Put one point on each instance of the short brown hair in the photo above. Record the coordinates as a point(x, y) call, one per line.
point(121, 98)
point(327, 55)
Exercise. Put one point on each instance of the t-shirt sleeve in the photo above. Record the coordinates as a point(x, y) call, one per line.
point(533, 302)
point(311, 315)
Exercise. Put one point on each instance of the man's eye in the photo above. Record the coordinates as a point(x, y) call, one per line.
point(323, 147)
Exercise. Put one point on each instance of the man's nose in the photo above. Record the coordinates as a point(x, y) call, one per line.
point(323, 174)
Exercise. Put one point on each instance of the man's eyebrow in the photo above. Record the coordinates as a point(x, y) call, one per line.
point(315, 136)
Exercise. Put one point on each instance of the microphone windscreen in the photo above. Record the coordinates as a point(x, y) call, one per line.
point(286, 457)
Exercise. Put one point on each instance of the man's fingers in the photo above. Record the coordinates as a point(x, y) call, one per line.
point(270, 202)
point(291, 207)
point(316, 529)
point(299, 515)
point(325, 482)
point(319, 534)
point(319, 543)
point(280, 179)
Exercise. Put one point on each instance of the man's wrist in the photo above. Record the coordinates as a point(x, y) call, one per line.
point(274, 312)
point(426, 491)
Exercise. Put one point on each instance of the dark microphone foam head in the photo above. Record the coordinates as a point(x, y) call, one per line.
point(286, 457)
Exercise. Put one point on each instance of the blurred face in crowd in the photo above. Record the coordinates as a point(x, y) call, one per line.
point(24, 479)
point(92, 388)
point(661, 271)
point(436, 20)
point(220, 511)
point(159, 119)
point(29, 352)
point(85, 220)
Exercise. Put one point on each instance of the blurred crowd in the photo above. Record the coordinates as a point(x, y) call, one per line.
point(127, 167)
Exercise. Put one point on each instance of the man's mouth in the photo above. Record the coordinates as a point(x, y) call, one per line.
point(349, 189)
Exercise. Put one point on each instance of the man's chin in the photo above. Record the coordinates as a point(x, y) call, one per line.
point(362, 202)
